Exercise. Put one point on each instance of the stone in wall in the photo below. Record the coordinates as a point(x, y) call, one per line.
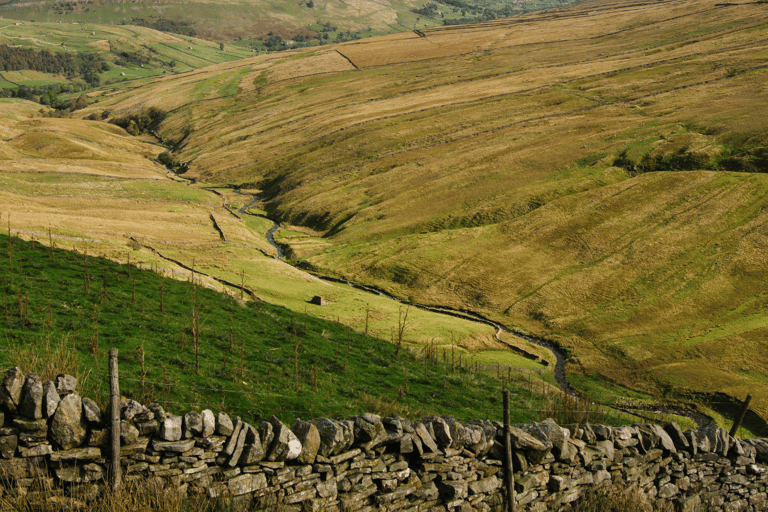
point(68, 428)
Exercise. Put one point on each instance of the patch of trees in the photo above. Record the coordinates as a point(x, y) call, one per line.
point(49, 95)
point(140, 122)
point(166, 25)
point(460, 21)
point(275, 43)
point(482, 13)
point(429, 10)
point(71, 65)
point(127, 58)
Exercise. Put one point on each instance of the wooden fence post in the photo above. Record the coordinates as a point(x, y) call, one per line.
point(114, 408)
point(740, 417)
point(509, 475)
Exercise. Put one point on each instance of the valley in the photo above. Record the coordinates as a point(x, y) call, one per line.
point(591, 175)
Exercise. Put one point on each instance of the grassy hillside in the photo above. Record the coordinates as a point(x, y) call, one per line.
point(89, 186)
point(246, 20)
point(131, 53)
point(67, 308)
point(586, 174)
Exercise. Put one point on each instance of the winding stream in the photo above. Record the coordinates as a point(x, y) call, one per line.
point(559, 370)
point(270, 235)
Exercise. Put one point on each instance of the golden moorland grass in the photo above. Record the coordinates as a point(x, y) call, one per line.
point(125, 206)
point(495, 167)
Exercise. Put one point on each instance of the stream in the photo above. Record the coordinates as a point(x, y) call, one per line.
point(559, 370)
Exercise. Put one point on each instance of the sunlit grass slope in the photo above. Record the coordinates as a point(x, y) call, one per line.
point(89, 186)
point(508, 167)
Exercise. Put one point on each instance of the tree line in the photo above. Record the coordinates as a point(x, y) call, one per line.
point(71, 65)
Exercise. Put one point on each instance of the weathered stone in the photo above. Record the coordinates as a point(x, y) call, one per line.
point(453, 489)
point(425, 438)
point(51, 399)
point(394, 428)
point(252, 453)
point(157, 411)
point(309, 437)
point(557, 436)
point(193, 425)
point(39, 450)
point(229, 447)
point(65, 384)
point(28, 425)
point(327, 489)
point(10, 392)
point(525, 441)
point(76, 454)
point(485, 486)
point(530, 481)
point(147, 428)
point(718, 438)
point(244, 484)
point(224, 426)
point(676, 434)
point(91, 412)
point(130, 408)
point(406, 444)
point(665, 441)
point(699, 441)
point(179, 446)
point(668, 490)
point(606, 449)
point(8, 446)
point(285, 445)
point(99, 438)
point(331, 436)
point(31, 404)
point(128, 433)
point(558, 483)
point(439, 431)
point(602, 432)
point(135, 449)
point(348, 434)
point(209, 423)
point(761, 449)
point(368, 434)
point(68, 428)
point(170, 427)
point(80, 474)
point(237, 450)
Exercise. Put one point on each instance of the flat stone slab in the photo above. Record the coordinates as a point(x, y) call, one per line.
point(77, 454)
point(173, 446)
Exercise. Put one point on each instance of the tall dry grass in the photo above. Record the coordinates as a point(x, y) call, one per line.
point(137, 496)
point(54, 355)
point(618, 498)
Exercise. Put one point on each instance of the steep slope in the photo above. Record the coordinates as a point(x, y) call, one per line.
point(523, 169)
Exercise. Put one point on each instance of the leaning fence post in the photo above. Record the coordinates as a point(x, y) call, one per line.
point(740, 417)
point(509, 475)
point(114, 409)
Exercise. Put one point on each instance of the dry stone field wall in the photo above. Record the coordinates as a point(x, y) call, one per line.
point(52, 438)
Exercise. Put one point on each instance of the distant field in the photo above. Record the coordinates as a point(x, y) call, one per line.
point(131, 52)
point(32, 78)
point(248, 20)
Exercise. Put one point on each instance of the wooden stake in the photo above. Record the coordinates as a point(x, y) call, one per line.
point(509, 475)
point(740, 418)
point(114, 386)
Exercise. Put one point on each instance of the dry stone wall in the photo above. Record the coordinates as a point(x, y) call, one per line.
point(52, 438)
